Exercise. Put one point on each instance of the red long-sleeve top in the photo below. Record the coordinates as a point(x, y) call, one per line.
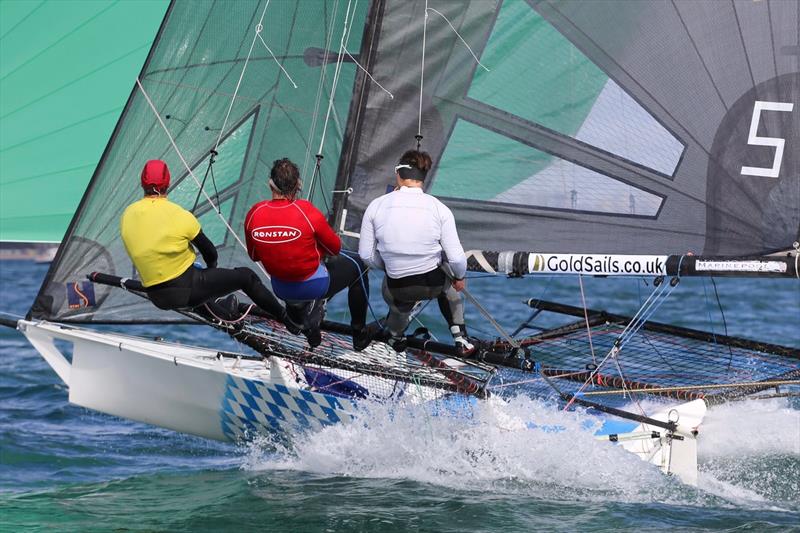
point(290, 238)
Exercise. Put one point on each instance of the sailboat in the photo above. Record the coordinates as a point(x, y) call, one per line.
point(607, 138)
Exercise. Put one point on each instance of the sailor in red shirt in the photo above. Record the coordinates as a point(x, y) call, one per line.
point(303, 256)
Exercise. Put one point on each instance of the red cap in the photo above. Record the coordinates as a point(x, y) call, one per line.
point(155, 174)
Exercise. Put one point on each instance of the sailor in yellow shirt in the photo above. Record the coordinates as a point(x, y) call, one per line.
point(158, 235)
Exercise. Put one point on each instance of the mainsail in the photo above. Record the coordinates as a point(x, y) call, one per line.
point(195, 67)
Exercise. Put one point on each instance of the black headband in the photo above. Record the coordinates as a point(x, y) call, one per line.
point(407, 172)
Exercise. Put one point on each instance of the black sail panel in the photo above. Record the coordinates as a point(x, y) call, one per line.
point(600, 127)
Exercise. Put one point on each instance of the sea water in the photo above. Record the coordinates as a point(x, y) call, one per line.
point(66, 468)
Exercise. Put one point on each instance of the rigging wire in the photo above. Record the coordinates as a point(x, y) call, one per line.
point(191, 172)
point(345, 35)
point(422, 74)
point(259, 27)
point(209, 170)
point(348, 26)
point(659, 295)
point(724, 320)
point(478, 61)
point(260, 38)
point(586, 317)
point(320, 87)
point(418, 136)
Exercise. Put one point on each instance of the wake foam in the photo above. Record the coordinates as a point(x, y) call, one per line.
point(750, 452)
point(521, 444)
point(528, 446)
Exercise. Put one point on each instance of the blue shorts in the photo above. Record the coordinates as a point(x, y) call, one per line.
point(312, 288)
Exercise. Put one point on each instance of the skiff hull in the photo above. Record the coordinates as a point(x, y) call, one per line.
point(194, 390)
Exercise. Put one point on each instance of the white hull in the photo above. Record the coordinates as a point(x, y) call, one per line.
point(192, 390)
point(186, 389)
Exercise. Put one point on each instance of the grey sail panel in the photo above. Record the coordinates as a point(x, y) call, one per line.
point(601, 127)
point(191, 75)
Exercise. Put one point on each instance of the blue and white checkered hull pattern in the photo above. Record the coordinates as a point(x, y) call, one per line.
point(254, 407)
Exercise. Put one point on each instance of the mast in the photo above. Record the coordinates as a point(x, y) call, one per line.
point(355, 117)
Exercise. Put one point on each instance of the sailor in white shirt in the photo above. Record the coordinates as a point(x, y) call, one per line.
point(408, 233)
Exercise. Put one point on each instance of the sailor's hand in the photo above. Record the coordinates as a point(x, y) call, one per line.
point(459, 284)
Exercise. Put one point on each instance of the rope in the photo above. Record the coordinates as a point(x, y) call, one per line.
point(222, 320)
point(363, 284)
point(384, 89)
point(260, 38)
point(191, 172)
point(422, 68)
point(642, 315)
point(209, 170)
point(478, 61)
point(586, 317)
point(348, 24)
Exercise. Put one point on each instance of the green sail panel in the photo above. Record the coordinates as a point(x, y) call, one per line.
point(213, 225)
point(540, 76)
point(529, 177)
point(219, 180)
point(60, 96)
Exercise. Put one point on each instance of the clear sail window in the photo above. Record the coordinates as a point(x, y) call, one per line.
point(540, 76)
point(227, 170)
point(530, 177)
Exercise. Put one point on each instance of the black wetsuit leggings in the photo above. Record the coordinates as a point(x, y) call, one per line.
point(195, 287)
point(347, 270)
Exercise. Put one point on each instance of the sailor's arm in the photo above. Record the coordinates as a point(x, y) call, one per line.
point(451, 246)
point(367, 245)
point(323, 232)
point(206, 249)
point(248, 237)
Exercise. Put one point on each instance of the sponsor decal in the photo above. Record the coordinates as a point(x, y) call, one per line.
point(275, 234)
point(80, 294)
point(740, 266)
point(598, 265)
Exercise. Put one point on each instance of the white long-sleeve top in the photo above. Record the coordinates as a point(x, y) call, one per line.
point(404, 233)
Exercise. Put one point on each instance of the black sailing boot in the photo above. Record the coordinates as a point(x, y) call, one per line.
point(398, 342)
point(315, 313)
point(362, 337)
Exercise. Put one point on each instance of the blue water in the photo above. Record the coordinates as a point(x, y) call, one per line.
point(69, 469)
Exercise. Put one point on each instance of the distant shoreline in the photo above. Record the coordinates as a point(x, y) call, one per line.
point(38, 252)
